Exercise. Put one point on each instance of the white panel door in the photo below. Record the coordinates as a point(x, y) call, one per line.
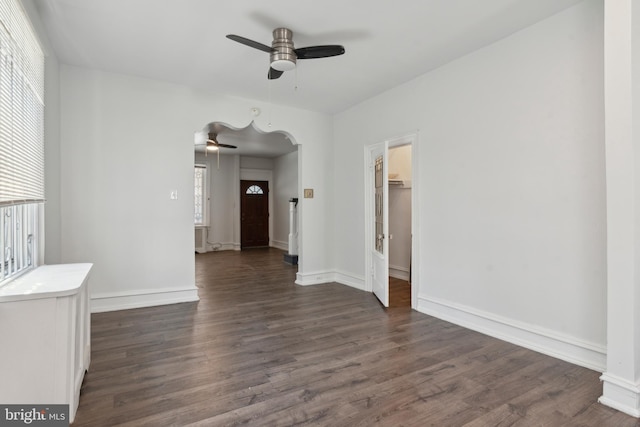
point(380, 250)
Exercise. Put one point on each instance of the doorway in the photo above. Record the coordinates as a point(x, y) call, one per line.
point(400, 189)
point(272, 157)
point(390, 220)
point(254, 214)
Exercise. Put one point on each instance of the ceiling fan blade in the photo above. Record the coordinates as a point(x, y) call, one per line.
point(225, 145)
point(319, 51)
point(247, 42)
point(274, 74)
point(213, 142)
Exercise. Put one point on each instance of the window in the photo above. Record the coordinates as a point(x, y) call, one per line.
point(200, 194)
point(21, 141)
point(18, 226)
point(254, 189)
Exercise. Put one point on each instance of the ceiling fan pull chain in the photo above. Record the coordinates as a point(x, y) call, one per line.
point(270, 104)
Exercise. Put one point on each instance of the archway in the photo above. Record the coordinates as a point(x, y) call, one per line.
point(258, 155)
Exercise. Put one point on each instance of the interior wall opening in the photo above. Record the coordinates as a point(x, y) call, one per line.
point(400, 188)
point(227, 156)
point(391, 212)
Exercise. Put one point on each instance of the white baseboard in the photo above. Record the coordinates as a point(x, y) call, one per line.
point(620, 394)
point(228, 246)
point(316, 278)
point(398, 272)
point(349, 280)
point(551, 343)
point(280, 245)
point(141, 298)
point(319, 278)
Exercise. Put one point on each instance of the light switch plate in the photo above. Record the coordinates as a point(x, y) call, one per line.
point(308, 193)
point(173, 195)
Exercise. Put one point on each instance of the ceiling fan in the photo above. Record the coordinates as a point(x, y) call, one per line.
point(214, 145)
point(282, 53)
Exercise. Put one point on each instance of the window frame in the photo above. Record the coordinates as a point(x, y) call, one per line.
point(22, 187)
point(19, 240)
point(204, 197)
point(254, 189)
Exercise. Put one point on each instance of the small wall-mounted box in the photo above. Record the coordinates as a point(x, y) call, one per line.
point(308, 193)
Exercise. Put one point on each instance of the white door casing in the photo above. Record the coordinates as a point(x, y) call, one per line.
point(376, 262)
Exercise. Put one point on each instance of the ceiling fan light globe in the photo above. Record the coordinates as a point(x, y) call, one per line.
point(212, 148)
point(283, 65)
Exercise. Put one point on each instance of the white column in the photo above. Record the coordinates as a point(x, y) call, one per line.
point(621, 381)
point(293, 227)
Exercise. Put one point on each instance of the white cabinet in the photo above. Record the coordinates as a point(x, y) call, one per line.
point(45, 336)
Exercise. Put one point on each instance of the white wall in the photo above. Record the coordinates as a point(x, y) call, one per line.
point(512, 200)
point(399, 231)
point(285, 183)
point(126, 143)
point(222, 209)
point(400, 162)
point(256, 163)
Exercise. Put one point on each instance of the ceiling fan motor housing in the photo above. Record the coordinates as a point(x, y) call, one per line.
point(283, 56)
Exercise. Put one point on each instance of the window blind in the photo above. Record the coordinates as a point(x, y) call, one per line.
point(21, 108)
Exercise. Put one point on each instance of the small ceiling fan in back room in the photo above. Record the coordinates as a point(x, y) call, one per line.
point(283, 54)
point(212, 144)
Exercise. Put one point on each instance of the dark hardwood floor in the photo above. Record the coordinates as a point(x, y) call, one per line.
point(399, 293)
point(258, 350)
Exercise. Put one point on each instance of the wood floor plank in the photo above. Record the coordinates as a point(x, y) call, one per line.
point(399, 293)
point(259, 350)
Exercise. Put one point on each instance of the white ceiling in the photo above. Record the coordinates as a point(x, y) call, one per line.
point(183, 41)
point(249, 141)
point(387, 42)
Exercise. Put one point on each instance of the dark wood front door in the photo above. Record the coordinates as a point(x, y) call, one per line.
point(254, 214)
